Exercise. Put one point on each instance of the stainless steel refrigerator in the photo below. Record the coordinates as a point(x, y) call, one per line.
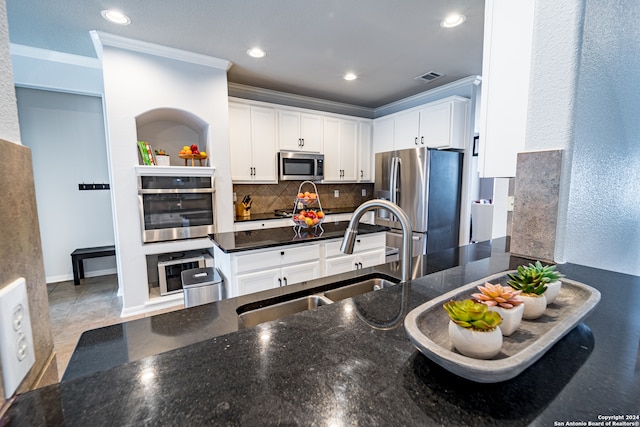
point(426, 184)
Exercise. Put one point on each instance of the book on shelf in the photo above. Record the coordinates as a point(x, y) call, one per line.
point(146, 153)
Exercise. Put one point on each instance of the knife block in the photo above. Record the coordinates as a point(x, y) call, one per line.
point(243, 210)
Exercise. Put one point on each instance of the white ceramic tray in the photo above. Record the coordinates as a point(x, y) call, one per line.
point(427, 327)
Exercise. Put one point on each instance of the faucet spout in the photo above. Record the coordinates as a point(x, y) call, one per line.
point(405, 223)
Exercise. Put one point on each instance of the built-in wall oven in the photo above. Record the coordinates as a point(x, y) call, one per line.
point(175, 207)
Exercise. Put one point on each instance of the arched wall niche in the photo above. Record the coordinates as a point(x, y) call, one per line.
point(170, 129)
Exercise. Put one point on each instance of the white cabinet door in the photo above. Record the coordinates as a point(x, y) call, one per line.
point(299, 131)
point(340, 149)
point(311, 132)
point(332, 165)
point(289, 130)
point(365, 152)
point(349, 150)
point(240, 142)
point(258, 281)
point(444, 124)
point(264, 151)
point(252, 143)
point(340, 264)
point(372, 258)
point(383, 130)
point(406, 130)
point(300, 273)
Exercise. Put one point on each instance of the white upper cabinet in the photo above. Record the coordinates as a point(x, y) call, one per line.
point(365, 152)
point(299, 131)
point(439, 124)
point(383, 130)
point(506, 63)
point(252, 137)
point(406, 130)
point(444, 124)
point(340, 150)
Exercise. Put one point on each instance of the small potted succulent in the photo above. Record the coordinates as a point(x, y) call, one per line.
point(503, 300)
point(532, 286)
point(551, 279)
point(473, 329)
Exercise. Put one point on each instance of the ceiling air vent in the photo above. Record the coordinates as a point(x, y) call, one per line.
point(429, 77)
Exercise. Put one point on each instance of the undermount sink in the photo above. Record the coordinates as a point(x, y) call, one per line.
point(283, 309)
point(354, 289)
point(255, 313)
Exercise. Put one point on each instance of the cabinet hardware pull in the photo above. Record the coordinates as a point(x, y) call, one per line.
point(282, 253)
point(422, 140)
point(361, 173)
point(416, 140)
point(356, 264)
point(279, 281)
point(285, 282)
point(360, 265)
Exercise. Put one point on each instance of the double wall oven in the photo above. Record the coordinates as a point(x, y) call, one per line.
point(178, 206)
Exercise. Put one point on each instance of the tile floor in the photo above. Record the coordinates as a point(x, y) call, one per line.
point(75, 309)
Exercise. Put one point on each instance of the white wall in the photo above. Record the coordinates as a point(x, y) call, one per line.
point(66, 135)
point(9, 129)
point(135, 83)
point(584, 99)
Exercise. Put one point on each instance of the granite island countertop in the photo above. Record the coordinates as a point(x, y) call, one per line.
point(330, 367)
point(237, 241)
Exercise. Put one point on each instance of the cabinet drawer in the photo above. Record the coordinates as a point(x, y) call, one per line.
point(363, 243)
point(283, 255)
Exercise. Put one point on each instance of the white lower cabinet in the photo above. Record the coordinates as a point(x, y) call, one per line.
point(257, 270)
point(268, 279)
point(368, 251)
point(261, 269)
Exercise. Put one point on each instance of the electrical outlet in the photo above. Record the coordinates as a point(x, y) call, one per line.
point(336, 193)
point(364, 192)
point(16, 338)
point(510, 203)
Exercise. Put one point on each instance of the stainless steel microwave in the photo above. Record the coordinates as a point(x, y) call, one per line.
point(298, 166)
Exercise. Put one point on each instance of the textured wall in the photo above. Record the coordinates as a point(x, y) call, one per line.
point(9, 129)
point(584, 99)
point(603, 218)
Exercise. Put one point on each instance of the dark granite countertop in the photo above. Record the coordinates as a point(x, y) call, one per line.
point(330, 367)
point(237, 241)
point(272, 215)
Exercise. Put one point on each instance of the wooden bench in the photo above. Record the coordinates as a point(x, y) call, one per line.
point(79, 255)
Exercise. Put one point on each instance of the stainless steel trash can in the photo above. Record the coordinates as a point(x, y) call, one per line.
point(201, 286)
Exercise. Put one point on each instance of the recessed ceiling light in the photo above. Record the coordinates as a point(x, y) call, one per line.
point(256, 52)
point(116, 17)
point(453, 20)
point(350, 76)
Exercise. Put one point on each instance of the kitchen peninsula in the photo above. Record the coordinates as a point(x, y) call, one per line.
point(256, 260)
point(330, 367)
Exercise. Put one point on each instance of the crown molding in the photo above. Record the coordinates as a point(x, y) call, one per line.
point(428, 96)
point(101, 39)
point(54, 56)
point(275, 97)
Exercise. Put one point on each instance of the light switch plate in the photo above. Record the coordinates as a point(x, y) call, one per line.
point(16, 338)
point(336, 193)
point(510, 203)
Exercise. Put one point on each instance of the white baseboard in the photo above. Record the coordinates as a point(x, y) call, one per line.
point(69, 276)
point(154, 304)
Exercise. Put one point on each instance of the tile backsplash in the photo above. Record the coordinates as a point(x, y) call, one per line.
point(268, 197)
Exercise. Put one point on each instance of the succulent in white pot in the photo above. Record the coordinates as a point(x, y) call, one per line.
point(505, 301)
point(551, 277)
point(529, 281)
point(474, 330)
